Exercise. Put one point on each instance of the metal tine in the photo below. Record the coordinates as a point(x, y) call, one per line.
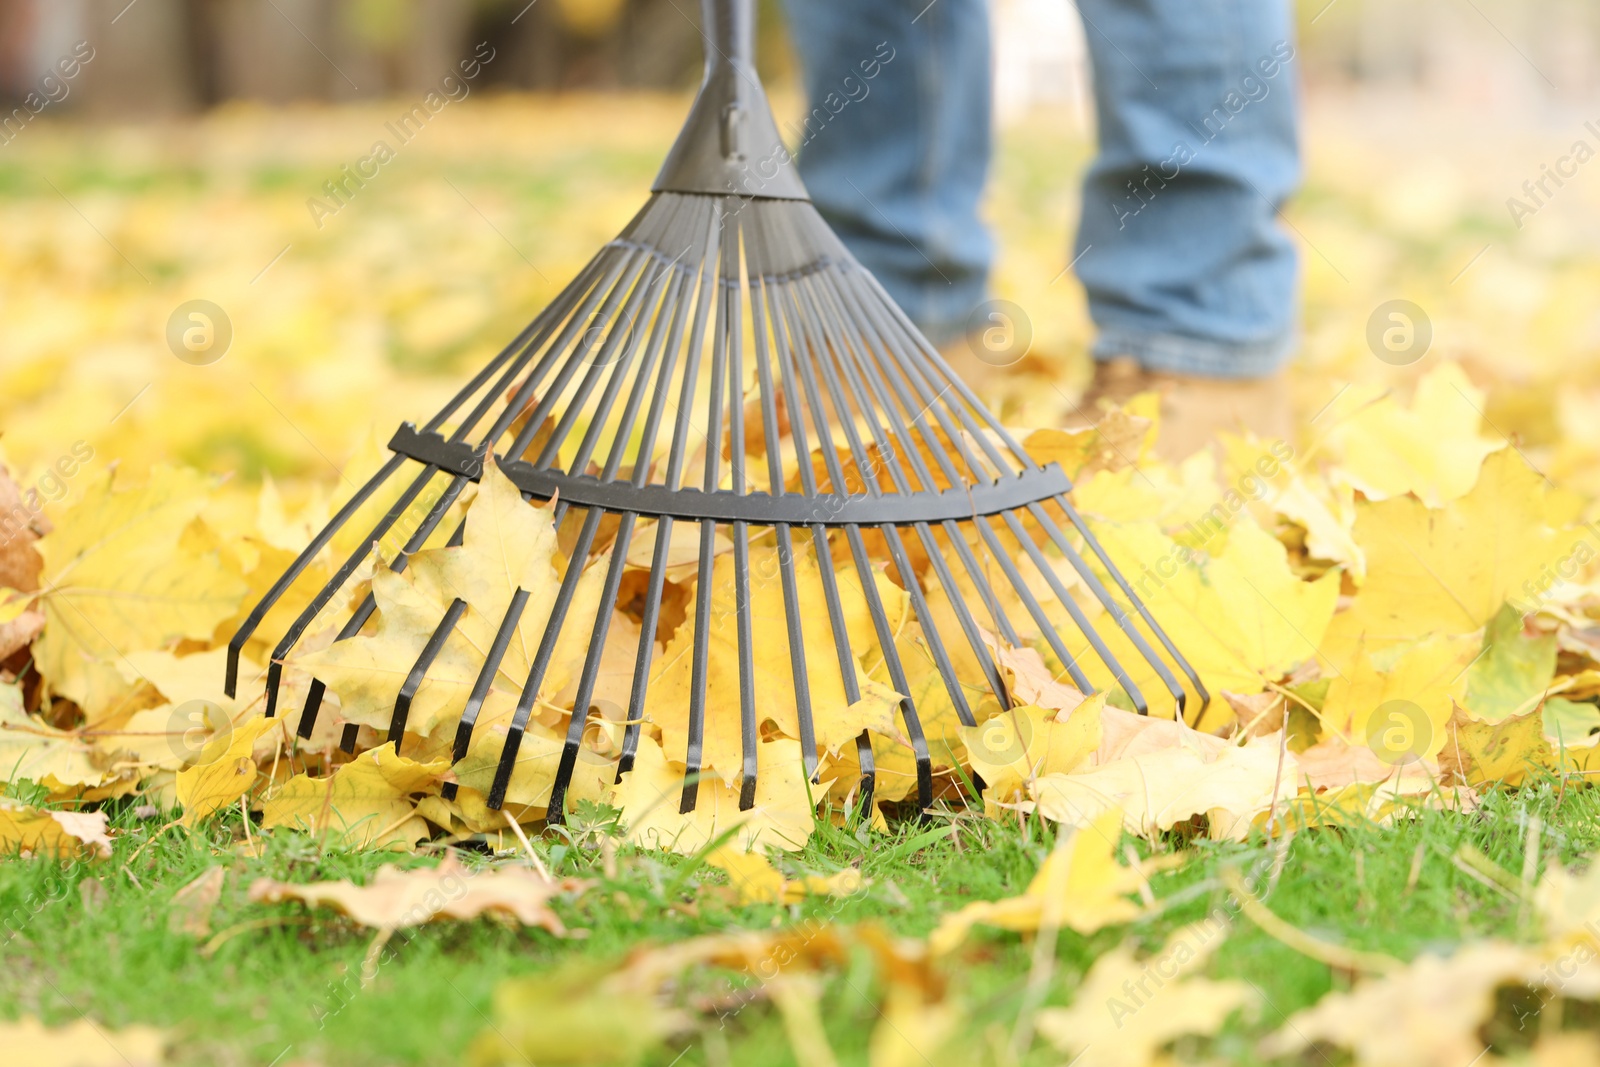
point(734, 294)
point(677, 229)
point(369, 604)
point(996, 549)
point(539, 330)
point(891, 536)
point(264, 605)
point(485, 679)
point(858, 550)
point(859, 364)
point(419, 670)
point(883, 372)
point(580, 554)
point(1027, 462)
point(541, 660)
point(636, 262)
point(759, 263)
point(651, 615)
point(653, 269)
point(870, 307)
point(521, 343)
point(340, 576)
point(639, 302)
point(788, 342)
point(700, 655)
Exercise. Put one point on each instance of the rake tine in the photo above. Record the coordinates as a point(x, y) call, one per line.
point(555, 811)
point(369, 604)
point(891, 536)
point(541, 659)
point(858, 553)
point(981, 651)
point(485, 680)
point(296, 629)
point(733, 342)
point(419, 671)
point(303, 560)
point(1104, 596)
point(787, 342)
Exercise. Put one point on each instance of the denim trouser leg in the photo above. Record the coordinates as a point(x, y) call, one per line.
point(895, 148)
point(1185, 264)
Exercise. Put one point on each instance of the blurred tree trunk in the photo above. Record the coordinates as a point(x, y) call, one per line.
point(277, 52)
point(141, 58)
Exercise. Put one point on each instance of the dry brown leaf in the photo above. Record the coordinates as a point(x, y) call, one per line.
point(396, 899)
point(192, 905)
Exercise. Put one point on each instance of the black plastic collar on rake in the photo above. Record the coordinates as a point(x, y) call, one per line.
point(729, 261)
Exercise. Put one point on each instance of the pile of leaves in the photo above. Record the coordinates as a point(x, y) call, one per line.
point(1375, 630)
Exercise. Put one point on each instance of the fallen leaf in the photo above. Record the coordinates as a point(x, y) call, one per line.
point(1157, 790)
point(1426, 1014)
point(59, 834)
point(223, 772)
point(192, 905)
point(81, 1044)
point(396, 899)
point(120, 576)
point(363, 804)
point(1481, 753)
point(1127, 1008)
point(1080, 886)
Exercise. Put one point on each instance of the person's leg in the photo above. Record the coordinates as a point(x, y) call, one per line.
point(895, 146)
point(1185, 263)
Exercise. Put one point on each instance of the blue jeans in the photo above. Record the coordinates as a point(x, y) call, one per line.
point(1178, 244)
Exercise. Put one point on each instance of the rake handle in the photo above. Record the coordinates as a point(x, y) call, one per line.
point(729, 28)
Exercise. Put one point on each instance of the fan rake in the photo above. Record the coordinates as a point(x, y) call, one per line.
point(726, 364)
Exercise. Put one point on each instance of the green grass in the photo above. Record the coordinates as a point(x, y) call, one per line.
point(93, 937)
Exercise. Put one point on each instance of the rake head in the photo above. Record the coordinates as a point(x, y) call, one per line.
point(725, 392)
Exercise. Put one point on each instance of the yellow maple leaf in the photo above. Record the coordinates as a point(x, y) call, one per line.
point(1015, 746)
point(1241, 617)
point(650, 794)
point(61, 834)
point(1432, 449)
point(363, 804)
point(60, 760)
point(1080, 885)
point(1476, 752)
point(1426, 1014)
point(1127, 1008)
point(509, 545)
point(1448, 570)
point(121, 576)
point(1158, 789)
point(223, 772)
point(1396, 701)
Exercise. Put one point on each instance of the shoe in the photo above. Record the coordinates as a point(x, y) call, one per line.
point(1193, 409)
